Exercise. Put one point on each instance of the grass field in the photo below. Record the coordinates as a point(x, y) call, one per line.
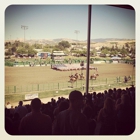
point(20, 76)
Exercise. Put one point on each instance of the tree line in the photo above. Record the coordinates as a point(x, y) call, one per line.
point(18, 47)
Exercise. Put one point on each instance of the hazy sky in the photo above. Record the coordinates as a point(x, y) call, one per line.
point(61, 21)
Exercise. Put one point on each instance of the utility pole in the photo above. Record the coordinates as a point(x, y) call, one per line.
point(88, 47)
point(24, 28)
point(77, 32)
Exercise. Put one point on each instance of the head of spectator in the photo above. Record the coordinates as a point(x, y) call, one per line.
point(8, 105)
point(36, 105)
point(63, 105)
point(109, 105)
point(20, 103)
point(76, 100)
point(125, 99)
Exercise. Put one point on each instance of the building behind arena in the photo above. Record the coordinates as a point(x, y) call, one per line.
point(58, 56)
point(44, 55)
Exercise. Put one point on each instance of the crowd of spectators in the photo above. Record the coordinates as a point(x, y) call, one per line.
point(111, 112)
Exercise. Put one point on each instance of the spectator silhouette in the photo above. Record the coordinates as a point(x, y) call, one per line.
point(21, 110)
point(125, 116)
point(91, 122)
point(48, 110)
point(9, 125)
point(107, 118)
point(35, 123)
point(72, 121)
point(63, 105)
point(16, 122)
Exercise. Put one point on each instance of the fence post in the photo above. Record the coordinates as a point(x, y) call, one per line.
point(38, 87)
point(14, 89)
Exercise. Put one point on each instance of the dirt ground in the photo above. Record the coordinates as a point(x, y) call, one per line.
point(34, 75)
point(41, 75)
point(45, 100)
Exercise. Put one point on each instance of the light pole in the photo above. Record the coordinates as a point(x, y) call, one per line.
point(24, 28)
point(76, 32)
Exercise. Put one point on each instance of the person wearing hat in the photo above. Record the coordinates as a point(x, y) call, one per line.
point(71, 121)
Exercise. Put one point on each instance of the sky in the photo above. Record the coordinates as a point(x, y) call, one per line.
point(61, 21)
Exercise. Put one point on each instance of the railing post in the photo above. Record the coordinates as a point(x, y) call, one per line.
point(14, 89)
point(38, 87)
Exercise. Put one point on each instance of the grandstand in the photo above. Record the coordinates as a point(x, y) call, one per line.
point(58, 56)
point(67, 67)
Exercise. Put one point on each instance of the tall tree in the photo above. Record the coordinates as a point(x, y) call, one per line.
point(64, 44)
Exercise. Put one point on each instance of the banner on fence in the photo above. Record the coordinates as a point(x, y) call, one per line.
point(31, 96)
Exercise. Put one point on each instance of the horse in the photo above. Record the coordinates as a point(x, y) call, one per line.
point(126, 79)
point(82, 76)
point(76, 75)
point(129, 77)
point(94, 76)
point(73, 78)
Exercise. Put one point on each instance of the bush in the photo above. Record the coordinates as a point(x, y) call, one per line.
point(9, 63)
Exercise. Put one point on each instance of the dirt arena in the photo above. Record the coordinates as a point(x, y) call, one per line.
point(40, 75)
point(35, 75)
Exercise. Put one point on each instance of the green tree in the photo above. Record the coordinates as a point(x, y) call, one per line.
point(37, 46)
point(7, 45)
point(13, 49)
point(105, 51)
point(46, 49)
point(9, 52)
point(32, 51)
point(123, 51)
point(22, 50)
point(64, 44)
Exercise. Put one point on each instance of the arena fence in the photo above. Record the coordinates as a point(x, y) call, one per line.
point(47, 62)
point(98, 84)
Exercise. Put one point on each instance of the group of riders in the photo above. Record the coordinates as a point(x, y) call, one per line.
point(126, 79)
point(81, 76)
point(76, 76)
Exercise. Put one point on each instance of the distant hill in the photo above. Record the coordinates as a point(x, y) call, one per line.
point(56, 41)
point(109, 39)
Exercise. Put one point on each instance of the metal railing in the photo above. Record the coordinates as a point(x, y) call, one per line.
point(98, 84)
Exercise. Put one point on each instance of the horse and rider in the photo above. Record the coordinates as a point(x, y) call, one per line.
point(81, 76)
point(94, 76)
point(73, 78)
point(126, 79)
